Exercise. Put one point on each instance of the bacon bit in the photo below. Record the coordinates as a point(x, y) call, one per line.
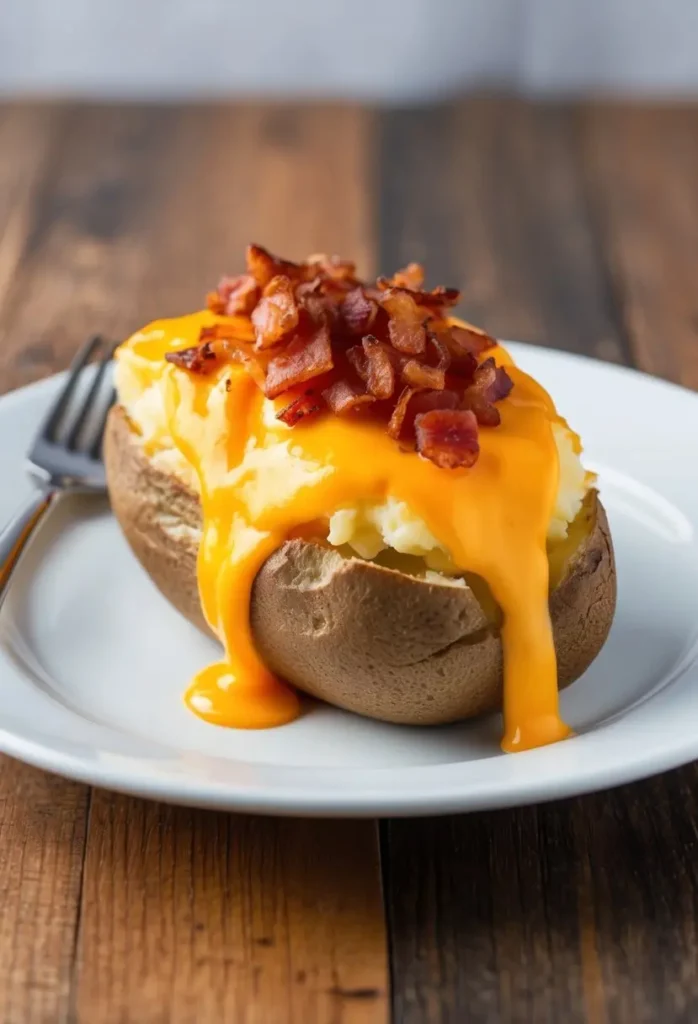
point(234, 296)
point(418, 375)
point(226, 347)
point(334, 267)
point(263, 266)
point(196, 358)
point(406, 326)
point(396, 358)
point(464, 340)
point(312, 287)
point(380, 373)
point(342, 397)
point(441, 349)
point(358, 311)
point(448, 437)
point(300, 361)
point(491, 384)
point(462, 362)
point(437, 297)
point(319, 308)
point(304, 405)
point(502, 383)
point(399, 412)
point(425, 401)
point(215, 303)
point(410, 280)
point(357, 359)
point(462, 368)
point(277, 313)
point(410, 277)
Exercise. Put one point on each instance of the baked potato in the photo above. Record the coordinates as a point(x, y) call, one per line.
point(360, 635)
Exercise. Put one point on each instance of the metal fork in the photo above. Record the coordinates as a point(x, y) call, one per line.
point(66, 455)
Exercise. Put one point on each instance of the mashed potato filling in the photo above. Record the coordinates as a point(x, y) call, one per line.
point(368, 528)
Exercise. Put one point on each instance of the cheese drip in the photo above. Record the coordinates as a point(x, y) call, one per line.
point(492, 519)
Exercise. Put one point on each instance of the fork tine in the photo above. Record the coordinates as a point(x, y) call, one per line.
point(58, 409)
point(95, 448)
point(87, 405)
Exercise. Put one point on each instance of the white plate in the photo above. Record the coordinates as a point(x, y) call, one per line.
point(93, 661)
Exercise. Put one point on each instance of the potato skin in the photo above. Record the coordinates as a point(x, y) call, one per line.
point(355, 634)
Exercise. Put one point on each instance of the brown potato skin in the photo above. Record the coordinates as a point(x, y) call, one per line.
point(355, 634)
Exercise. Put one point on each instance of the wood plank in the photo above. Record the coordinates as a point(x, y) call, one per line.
point(196, 916)
point(42, 818)
point(487, 194)
point(83, 256)
point(27, 138)
point(583, 910)
point(144, 208)
point(642, 167)
point(53, 277)
point(42, 838)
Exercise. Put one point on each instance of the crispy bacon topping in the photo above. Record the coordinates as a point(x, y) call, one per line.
point(358, 311)
point(411, 280)
point(300, 361)
point(277, 313)
point(305, 405)
point(197, 359)
point(411, 276)
point(411, 403)
point(358, 361)
point(464, 340)
point(406, 324)
point(399, 412)
point(262, 266)
point(419, 375)
point(385, 350)
point(449, 437)
point(343, 397)
point(380, 373)
point(234, 296)
point(425, 401)
point(491, 383)
point(334, 267)
point(441, 351)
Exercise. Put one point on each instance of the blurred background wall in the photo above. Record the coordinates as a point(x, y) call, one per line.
point(360, 49)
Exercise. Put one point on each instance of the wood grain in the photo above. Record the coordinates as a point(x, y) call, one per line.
point(487, 194)
point(42, 840)
point(42, 818)
point(28, 134)
point(585, 910)
point(128, 213)
point(195, 916)
point(642, 167)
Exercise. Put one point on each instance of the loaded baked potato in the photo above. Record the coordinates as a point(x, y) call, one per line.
point(360, 496)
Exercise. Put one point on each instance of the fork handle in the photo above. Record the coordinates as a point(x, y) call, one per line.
point(16, 535)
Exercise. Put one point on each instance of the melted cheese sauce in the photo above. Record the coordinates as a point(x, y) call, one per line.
point(492, 520)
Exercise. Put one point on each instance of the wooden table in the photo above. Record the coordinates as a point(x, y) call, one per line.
point(575, 227)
